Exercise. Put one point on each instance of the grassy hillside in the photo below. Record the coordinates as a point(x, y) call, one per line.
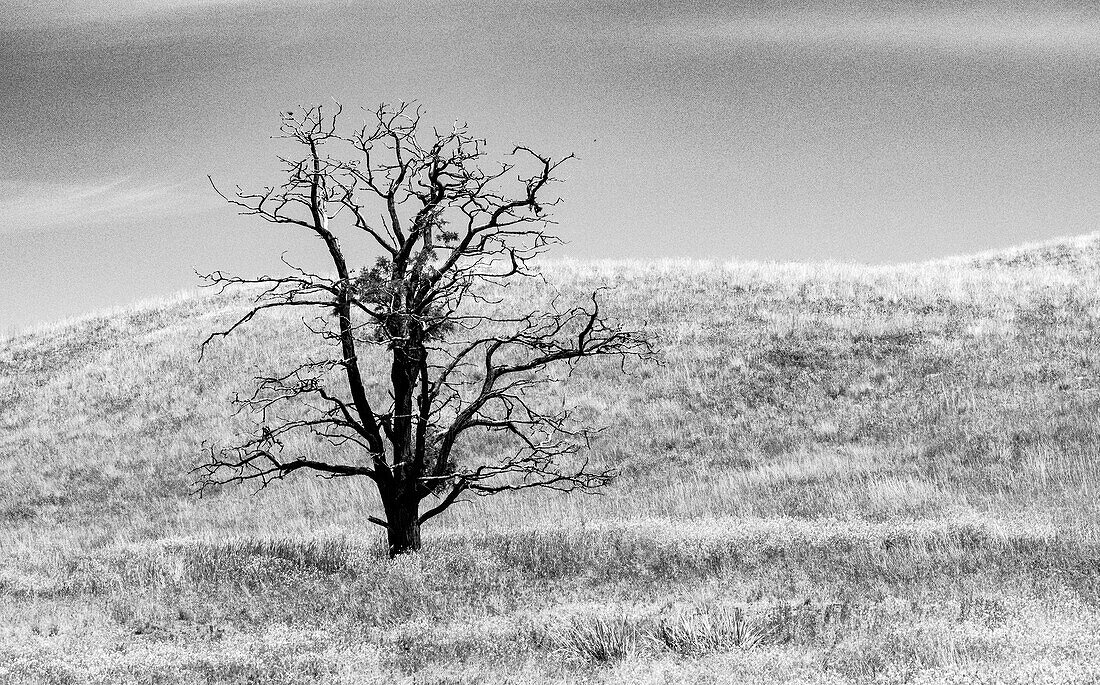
point(837, 474)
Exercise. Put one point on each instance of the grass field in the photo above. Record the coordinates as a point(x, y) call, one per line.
point(837, 474)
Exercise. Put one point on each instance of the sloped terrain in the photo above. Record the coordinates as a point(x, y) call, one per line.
point(835, 474)
point(1080, 254)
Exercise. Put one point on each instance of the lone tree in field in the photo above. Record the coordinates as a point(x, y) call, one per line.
point(450, 228)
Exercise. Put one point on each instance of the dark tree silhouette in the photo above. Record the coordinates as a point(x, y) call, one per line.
point(450, 229)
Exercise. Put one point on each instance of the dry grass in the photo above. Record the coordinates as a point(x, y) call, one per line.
point(838, 474)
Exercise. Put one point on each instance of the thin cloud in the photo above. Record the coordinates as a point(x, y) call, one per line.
point(46, 206)
point(945, 30)
point(59, 12)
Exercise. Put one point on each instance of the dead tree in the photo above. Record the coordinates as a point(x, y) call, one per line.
point(448, 228)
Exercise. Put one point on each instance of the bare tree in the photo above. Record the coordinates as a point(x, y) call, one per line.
point(449, 228)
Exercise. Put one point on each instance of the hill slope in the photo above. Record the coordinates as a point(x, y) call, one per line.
point(1079, 254)
point(839, 435)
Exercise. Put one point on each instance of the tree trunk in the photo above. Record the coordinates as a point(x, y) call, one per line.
point(403, 528)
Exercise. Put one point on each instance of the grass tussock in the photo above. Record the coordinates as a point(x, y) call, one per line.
point(713, 630)
point(838, 474)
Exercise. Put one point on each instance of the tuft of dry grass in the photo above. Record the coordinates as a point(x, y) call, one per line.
point(600, 639)
point(711, 629)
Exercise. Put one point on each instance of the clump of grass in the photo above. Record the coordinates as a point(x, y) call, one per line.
point(713, 630)
point(601, 639)
point(705, 630)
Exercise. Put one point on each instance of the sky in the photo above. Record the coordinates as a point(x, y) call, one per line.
point(872, 132)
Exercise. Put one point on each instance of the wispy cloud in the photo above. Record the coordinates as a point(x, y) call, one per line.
point(55, 12)
point(46, 206)
point(922, 30)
